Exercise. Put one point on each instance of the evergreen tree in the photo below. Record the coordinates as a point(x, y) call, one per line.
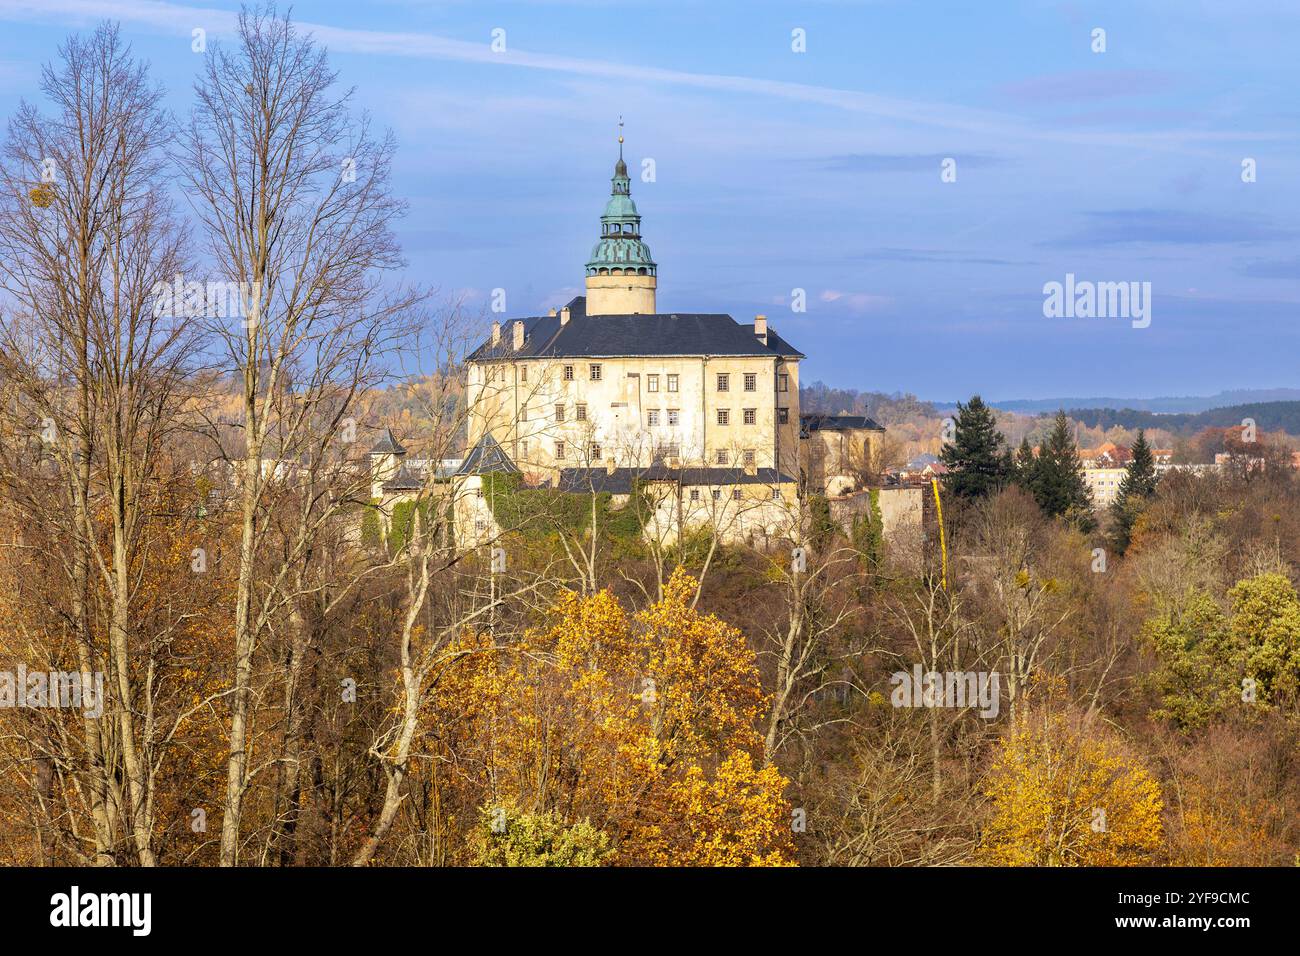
point(1058, 484)
point(1025, 464)
point(977, 466)
point(1138, 484)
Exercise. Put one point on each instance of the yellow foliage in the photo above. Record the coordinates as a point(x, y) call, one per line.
point(1065, 795)
point(644, 725)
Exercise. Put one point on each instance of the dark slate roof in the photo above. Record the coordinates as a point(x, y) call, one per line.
point(487, 457)
point(615, 336)
point(836, 423)
point(622, 479)
point(404, 480)
point(387, 445)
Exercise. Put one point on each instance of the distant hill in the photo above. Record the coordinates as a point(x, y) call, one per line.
point(1187, 404)
point(1268, 416)
point(895, 409)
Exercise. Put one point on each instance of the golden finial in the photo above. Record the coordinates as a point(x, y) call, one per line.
point(620, 130)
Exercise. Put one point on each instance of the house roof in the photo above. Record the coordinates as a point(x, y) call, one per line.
point(387, 445)
point(616, 336)
point(487, 457)
point(405, 480)
point(622, 480)
point(837, 423)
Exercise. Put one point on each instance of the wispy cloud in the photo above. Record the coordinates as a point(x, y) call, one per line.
point(1088, 85)
point(901, 162)
point(166, 16)
point(1170, 226)
point(855, 301)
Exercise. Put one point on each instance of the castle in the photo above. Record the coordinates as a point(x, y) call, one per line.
point(696, 411)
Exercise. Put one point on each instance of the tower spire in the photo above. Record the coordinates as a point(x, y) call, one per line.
point(621, 275)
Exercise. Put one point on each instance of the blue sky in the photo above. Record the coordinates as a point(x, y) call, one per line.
point(820, 170)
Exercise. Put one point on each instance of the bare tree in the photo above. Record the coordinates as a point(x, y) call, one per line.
point(293, 195)
point(86, 239)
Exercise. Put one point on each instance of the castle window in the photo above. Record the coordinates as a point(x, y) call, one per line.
point(672, 383)
point(559, 450)
point(523, 413)
point(672, 450)
point(751, 382)
point(720, 456)
point(735, 494)
point(751, 416)
point(580, 412)
point(523, 373)
point(559, 413)
point(724, 416)
point(783, 382)
point(749, 456)
point(776, 494)
point(695, 494)
point(724, 382)
point(568, 373)
point(595, 451)
point(652, 383)
point(523, 448)
point(674, 416)
point(594, 371)
point(652, 417)
point(717, 494)
point(783, 416)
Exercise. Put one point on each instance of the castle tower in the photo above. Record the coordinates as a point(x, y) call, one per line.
point(621, 275)
point(386, 457)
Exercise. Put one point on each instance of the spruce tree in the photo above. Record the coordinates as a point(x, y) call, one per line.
point(977, 466)
point(1058, 484)
point(1138, 484)
point(1025, 464)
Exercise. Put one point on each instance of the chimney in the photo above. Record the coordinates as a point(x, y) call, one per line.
point(519, 334)
point(496, 333)
point(760, 328)
point(564, 316)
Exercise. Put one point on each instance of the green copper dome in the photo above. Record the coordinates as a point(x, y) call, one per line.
point(620, 249)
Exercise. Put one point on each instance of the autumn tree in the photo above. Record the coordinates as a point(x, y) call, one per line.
point(1069, 794)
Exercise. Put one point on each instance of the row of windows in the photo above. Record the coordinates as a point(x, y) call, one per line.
point(722, 456)
point(595, 371)
point(735, 494)
point(654, 418)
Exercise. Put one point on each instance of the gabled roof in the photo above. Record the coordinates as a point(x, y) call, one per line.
point(837, 423)
point(387, 445)
point(404, 480)
point(616, 336)
point(487, 457)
